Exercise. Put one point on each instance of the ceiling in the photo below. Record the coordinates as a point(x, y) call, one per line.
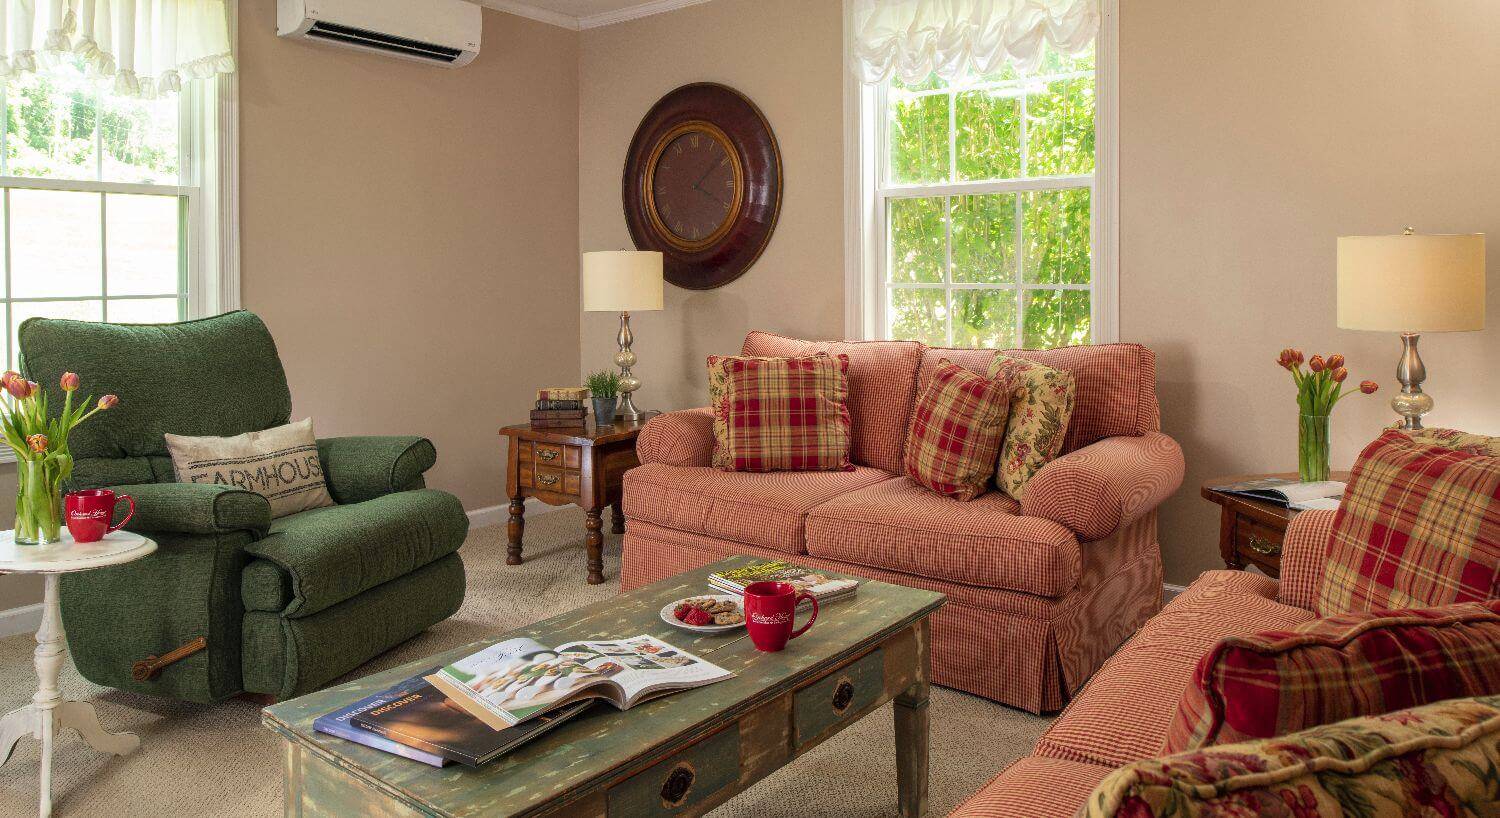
point(580, 14)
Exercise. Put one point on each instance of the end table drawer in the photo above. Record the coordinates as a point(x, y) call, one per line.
point(545, 479)
point(558, 455)
point(1257, 541)
point(678, 784)
point(838, 697)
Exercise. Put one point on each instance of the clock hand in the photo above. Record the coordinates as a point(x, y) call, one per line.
point(704, 176)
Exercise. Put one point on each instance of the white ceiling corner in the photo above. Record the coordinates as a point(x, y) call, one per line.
point(582, 14)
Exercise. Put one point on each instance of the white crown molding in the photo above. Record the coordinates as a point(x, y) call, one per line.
point(606, 18)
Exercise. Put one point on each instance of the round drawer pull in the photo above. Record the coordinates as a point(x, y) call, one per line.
point(843, 695)
point(674, 791)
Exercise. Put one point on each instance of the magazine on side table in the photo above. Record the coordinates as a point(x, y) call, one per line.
point(518, 679)
point(1289, 493)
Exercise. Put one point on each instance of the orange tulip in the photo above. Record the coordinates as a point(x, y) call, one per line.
point(1368, 387)
point(108, 401)
point(18, 387)
point(1335, 361)
point(68, 381)
point(1316, 363)
point(1339, 375)
point(8, 377)
point(38, 443)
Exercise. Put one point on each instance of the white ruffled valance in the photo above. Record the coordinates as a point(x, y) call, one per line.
point(912, 39)
point(146, 46)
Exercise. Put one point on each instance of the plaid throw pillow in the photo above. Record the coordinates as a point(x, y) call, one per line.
point(1040, 408)
point(1328, 670)
point(781, 414)
point(1419, 526)
point(956, 430)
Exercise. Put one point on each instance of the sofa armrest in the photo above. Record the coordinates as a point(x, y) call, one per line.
point(363, 468)
point(1106, 485)
point(681, 438)
point(196, 508)
point(1303, 553)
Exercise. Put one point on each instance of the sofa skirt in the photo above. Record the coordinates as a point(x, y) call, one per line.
point(1019, 649)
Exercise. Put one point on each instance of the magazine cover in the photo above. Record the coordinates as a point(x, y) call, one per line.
point(818, 584)
point(427, 720)
point(517, 679)
point(338, 723)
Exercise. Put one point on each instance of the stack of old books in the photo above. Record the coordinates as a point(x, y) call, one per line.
point(559, 407)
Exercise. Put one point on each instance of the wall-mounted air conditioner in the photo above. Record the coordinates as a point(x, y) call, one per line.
point(437, 32)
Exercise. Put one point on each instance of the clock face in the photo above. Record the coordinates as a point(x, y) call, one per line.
point(694, 186)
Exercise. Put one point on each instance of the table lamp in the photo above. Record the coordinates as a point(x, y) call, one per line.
point(1411, 284)
point(623, 281)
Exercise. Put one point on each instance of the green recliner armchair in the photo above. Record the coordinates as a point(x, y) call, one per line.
point(285, 605)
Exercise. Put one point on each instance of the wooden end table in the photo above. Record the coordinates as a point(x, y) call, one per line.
point(679, 755)
point(1251, 531)
point(48, 714)
point(577, 465)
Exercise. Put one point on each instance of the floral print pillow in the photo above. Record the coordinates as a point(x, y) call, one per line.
point(1040, 408)
point(1437, 760)
point(1456, 440)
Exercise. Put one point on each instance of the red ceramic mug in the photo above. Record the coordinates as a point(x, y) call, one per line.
point(770, 608)
point(88, 513)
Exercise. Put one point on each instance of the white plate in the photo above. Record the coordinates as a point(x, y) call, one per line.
point(666, 614)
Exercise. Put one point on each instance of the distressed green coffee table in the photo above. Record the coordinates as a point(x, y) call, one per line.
point(680, 755)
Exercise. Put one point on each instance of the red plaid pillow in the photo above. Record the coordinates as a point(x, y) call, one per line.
point(1419, 525)
point(1341, 667)
point(956, 429)
point(781, 414)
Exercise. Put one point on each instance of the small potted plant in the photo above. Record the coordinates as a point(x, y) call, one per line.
point(1318, 391)
point(40, 443)
point(604, 390)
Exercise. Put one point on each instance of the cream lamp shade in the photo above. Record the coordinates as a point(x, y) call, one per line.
point(1411, 283)
point(622, 281)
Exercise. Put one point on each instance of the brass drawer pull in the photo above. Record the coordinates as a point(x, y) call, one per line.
point(547, 454)
point(674, 791)
point(1263, 546)
point(547, 479)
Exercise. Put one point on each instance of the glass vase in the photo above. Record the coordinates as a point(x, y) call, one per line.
point(1312, 448)
point(38, 503)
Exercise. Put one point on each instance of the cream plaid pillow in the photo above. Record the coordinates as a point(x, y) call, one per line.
point(279, 464)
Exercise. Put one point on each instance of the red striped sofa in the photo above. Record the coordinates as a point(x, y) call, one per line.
point(1039, 592)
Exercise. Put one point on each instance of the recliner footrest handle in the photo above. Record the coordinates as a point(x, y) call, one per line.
point(148, 668)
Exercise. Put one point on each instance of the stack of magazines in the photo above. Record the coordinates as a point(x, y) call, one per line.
point(822, 586)
point(491, 702)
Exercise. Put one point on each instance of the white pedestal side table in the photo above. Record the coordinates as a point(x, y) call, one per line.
point(48, 712)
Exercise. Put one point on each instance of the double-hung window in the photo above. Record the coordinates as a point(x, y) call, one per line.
point(984, 204)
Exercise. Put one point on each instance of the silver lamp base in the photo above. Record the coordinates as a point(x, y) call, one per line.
point(1412, 403)
point(629, 383)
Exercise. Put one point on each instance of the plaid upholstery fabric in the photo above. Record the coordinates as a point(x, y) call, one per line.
point(1303, 553)
point(1020, 649)
point(882, 385)
point(1035, 787)
point(1116, 385)
point(1147, 676)
point(1430, 761)
point(1327, 670)
point(956, 427)
point(901, 526)
point(1418, 526)
point(782, 414)
point(769, 510)
point(682, 438)
point(1040, 406)
point(1106, 484)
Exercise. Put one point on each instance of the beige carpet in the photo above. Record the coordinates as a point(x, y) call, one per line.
point(216, 760)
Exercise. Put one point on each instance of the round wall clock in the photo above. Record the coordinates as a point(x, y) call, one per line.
point(702, 184)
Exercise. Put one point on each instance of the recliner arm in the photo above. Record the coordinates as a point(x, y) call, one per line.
point(363, 468)
point(1106, 485)
point(196, 508)
point(1303, 554)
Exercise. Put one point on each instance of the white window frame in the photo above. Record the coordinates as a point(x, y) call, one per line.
point(866, 195)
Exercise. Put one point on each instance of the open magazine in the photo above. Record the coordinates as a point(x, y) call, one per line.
point(1289, 493)
point(509, 682)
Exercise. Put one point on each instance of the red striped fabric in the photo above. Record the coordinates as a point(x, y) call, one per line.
point(956, 427)
point(1106, 484)
point(1035, 787)
point(1359, 664)
point(766, 509)
point(901, 526)
point(1123, 713)
point(1303, 554)
point(681, 438)
point(882, 386)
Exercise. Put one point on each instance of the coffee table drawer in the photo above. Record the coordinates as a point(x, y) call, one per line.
point(838, 697)
point(688, 778)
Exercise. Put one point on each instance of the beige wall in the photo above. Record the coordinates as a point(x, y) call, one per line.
point(1252, 134)
point(784, 55)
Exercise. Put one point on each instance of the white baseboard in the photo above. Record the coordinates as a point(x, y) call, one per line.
point(25, 619)
point(1169, 591)
point(497, 515)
